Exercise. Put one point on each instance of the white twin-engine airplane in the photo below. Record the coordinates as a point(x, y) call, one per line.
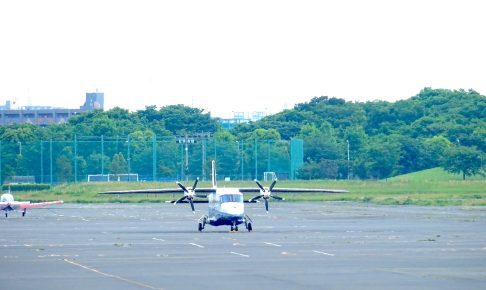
point(225, 204)
point(7, 203)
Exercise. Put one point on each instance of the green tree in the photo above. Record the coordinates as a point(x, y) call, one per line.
point(64, 168)
point(464, 160)
point(118, 164)
point(435, 149)
point(383, 154)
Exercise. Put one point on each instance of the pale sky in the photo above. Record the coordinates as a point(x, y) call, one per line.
point(255, 55)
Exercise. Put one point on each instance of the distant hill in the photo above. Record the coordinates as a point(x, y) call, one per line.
point(436, 128)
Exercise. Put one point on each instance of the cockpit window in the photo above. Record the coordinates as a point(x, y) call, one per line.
point(232, 198)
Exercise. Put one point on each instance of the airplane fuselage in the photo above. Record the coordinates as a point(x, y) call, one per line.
point(7, 203)
point(226, 207)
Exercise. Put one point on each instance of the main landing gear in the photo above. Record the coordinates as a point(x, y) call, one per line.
point(202, 223)
point(248, 222)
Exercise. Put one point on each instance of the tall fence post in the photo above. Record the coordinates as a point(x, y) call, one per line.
point(50, 153)
point(154, 157)
point(102, 155)
point(75, 158)
point(128, 157)
point(268, 155)
point(42, 160)
point(203, 159)
point(181, 155)
point(242, 152)
point(256, 158)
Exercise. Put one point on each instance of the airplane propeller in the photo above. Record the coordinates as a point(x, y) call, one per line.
point(188, 194)
point(265, 193)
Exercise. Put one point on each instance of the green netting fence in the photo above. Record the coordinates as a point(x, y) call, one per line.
point(146, 159)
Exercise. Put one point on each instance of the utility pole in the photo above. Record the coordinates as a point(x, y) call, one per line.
point(187, 139)
point(184, 141)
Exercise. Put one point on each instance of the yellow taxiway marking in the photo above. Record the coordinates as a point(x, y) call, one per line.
point(112, 276)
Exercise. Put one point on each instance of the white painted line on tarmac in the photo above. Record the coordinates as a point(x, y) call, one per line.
point(199, 246)
point(160, 240)
point(112, 276)
point(272, 244)
point(323, 253)
point(238, 254)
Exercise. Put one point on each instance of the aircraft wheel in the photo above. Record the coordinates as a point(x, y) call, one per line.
point(200, 227)
point(6, 215)
point(236, 228)
point(249, 227)
point(23, 213)
point(232, 229)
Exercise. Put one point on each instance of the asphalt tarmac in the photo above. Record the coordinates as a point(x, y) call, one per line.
point(295, 246)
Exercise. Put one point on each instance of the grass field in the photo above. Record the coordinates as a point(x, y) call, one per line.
point(433, 187)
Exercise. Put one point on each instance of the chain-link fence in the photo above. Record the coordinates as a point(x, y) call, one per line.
point(153, 159)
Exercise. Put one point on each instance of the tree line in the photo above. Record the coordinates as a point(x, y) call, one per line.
point(342, 139)
point(437, 127)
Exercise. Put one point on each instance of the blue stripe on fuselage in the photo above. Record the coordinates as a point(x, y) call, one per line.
point(218, 218)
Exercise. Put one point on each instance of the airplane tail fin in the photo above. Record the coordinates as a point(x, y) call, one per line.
point(213, 174)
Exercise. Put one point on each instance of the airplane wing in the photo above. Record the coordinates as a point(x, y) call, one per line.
point(185, 201)
point(28, 204)
point(188, 197)
point(267, 193)
point(295, 190)
point(200, 192)
point(304, 190)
